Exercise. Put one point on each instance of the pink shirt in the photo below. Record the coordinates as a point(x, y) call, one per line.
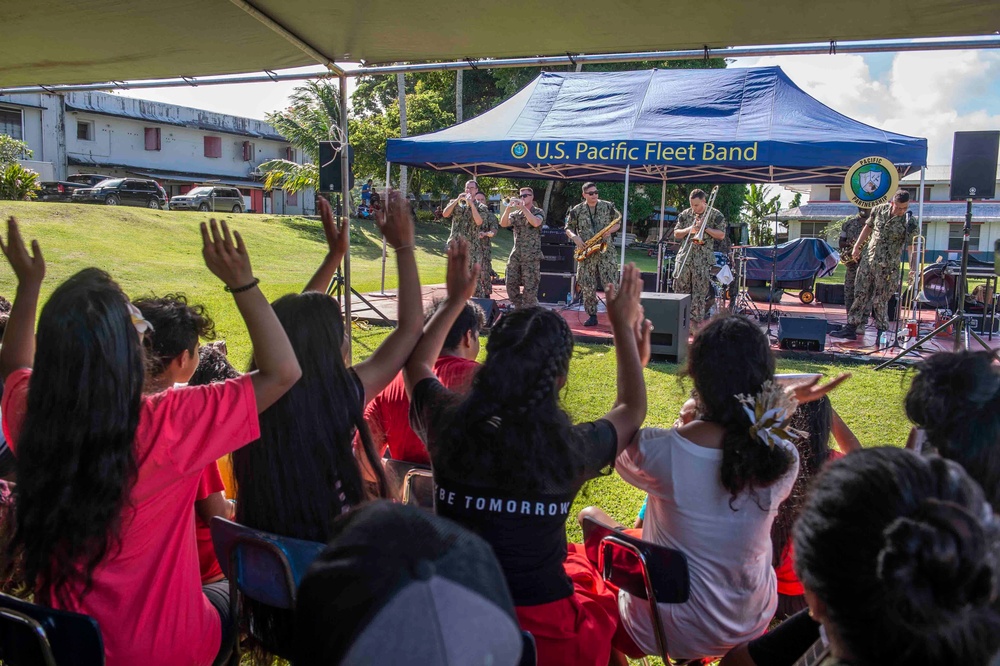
point(146, 596)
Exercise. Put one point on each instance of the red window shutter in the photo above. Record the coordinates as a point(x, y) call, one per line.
point(152, 138)
point(247, 151)
point(291, 198)
point(213, 146)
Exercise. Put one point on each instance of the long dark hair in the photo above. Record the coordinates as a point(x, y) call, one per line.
point(814, 420)
point(902, 550)
point(728, 357)
point(301, 474)
point(76, 457)
point(955, 398)
point(529, 449)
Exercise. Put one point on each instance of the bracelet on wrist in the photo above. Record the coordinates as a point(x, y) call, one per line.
point(403, 247)
point(246, 287)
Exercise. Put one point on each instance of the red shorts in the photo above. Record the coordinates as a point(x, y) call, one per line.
point(576, 630)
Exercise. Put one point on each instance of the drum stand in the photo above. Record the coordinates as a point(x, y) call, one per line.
point(743, 304)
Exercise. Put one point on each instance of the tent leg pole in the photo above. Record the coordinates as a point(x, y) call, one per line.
point(388, 166)
point(345, 191)
point(659, 238)
point(624, 228)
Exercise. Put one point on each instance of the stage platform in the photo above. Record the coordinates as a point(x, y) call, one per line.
point(860, 350)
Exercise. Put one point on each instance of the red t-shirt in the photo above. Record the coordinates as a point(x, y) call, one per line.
point(388, 414)
point(209, 483)
point(788, 583)
point(146, 595)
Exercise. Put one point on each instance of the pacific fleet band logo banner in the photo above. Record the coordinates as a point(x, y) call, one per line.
point(644, 152)
point(871, 181)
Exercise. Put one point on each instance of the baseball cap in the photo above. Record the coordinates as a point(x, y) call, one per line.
point(399, 585)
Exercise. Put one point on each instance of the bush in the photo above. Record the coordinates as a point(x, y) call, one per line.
point(425, 216)
point(18, 183)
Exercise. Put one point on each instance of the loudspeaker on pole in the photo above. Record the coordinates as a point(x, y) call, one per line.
point(974, 165)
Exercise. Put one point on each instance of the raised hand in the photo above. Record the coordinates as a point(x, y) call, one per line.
point(337, 233)
point(228, 260)
point(623, 303)
point(396, 222)
point(29, 268)
point(461, 281)
point(811, 390)
point(644, 337)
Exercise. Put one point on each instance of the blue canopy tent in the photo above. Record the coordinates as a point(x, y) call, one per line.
point(674, 125)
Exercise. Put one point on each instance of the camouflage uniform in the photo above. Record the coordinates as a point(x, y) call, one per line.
point(879, 267)
point(482, 253)
point(850, 229)
point(524, 263)
point(464, 225)
point(601, 268)
point(697, 272)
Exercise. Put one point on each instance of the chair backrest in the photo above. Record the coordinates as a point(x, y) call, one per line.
point(529, 654)
point(418, 488)
point(265, 567)
point(31, 635)
point(632, 563)
point(395, 474)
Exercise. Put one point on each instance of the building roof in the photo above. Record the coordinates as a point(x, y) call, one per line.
point(169, 114)
point(934, 211)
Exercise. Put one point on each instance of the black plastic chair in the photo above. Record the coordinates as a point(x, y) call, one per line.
point(395, 474)
point(648, 571)
point(263, 566)
point(529, 654)
point(32, 635)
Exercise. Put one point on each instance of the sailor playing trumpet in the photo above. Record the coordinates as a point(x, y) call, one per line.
point(584, 221)
point(697, 256)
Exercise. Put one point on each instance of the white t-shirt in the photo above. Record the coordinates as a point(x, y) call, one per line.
point(733, 586)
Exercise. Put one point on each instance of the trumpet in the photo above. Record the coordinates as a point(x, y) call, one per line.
point(511, 199)
point(915, 288)
point(698, 238)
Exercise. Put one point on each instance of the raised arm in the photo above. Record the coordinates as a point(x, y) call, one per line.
point(18, 349)
point(277, 368)
point(624, 310)
point(337, 238)
point(461, 286)
point(505, 217)
point(450, 208)
point(844, 436)
point(379, 369)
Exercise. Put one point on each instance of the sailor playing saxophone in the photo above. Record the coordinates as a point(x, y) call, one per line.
point(696, 275)
point(584, 221)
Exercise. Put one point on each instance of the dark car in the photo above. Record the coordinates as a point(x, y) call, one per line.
point(124, 192)
point(62, 190)
point(210, 198)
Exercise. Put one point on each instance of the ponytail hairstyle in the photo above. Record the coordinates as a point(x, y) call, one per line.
point(510, 430)
point(813, 421)
point(731, 356)
point(903, 552)
point(76, 457)
point(955, 398)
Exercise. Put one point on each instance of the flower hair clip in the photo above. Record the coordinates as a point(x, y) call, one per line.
point(769, 412)
point(142, 326)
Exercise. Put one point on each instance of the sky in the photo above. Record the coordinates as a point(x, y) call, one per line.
point(928, 94)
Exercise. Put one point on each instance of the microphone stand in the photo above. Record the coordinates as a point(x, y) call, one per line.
point(770, 286)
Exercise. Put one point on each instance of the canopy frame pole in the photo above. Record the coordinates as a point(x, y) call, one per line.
point(920, 203)
point(290, 36)
point(388, 166)
point(624, 228)
point(659, 237)
point(345, 192)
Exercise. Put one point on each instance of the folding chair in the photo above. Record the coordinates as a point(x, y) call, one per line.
point(32, 635)
point(529, 655)
point(418, 488)
point(396, 471)
point(263, 566)
point(647, 571)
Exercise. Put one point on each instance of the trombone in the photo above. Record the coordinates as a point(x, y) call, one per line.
point(698, 238)
point(915, 288)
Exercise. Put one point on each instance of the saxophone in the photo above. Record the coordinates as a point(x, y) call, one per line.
point(596, 243)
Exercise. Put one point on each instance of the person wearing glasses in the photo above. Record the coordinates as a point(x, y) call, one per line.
point(583, 222)
point(697, 274)
point(525, 261)
point(466, 217)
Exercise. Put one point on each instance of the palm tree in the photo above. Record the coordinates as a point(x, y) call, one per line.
point(758, 207)
point(312, 116)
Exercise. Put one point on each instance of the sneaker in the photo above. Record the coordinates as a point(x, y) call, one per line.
point(592, 321)
point(845, 333)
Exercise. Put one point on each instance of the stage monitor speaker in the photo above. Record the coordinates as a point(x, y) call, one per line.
point(831, 294)
point(490, 309)
point(670, 315)
point(974, 165)
point(329, 167)
point(558, 258)
point(555, 287)
point(649, 282)
point(802, 333)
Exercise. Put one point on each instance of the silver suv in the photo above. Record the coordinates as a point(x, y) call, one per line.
point(209, 198)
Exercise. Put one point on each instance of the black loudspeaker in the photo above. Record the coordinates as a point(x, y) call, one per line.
point(558, 259)
point(974, 165)
point(802, 333)
point(649, 282)
point(831, 294)
point(490, 309)
point(329, 167)
point(555, 287)
point(671, 318)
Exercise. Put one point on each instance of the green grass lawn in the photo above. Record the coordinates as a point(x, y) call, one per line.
point(159, 252)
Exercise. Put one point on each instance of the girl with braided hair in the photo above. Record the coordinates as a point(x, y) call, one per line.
point(508, 460)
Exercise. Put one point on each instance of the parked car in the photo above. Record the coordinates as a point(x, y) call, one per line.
point(210, 198)
point(124, 192)
point(62, 190)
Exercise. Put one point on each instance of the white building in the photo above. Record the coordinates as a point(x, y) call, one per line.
point(180, 147)
point(943, 219)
